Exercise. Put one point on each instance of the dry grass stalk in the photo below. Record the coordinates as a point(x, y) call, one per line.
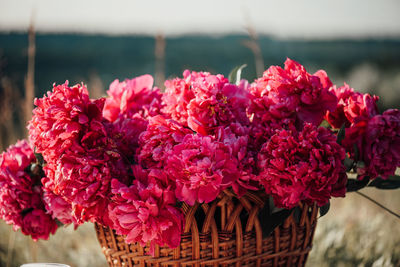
point(254, 46)
point(10, 249)
point(29, 81)
point(96, 87)
point(10, 101)
point(159, 52)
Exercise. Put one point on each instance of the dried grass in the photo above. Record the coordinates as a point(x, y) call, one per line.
point(77, 248)
point(356, 232)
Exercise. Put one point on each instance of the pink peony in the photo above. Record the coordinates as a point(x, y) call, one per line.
point(203, 101)
point(360, 106)
point(351, 106)
point(79, 147)
point(145, 212)
point(292, 93)
point(91, 176)
point(59, 208)
point(302, 166)
point(56, 206)
point(157, 141)
point(131, 97)
point(21, 201)
point(19, 190)
point(201, 167)
point(378, 144)
point(236, 137)
point(60, 118)
point(178, 94)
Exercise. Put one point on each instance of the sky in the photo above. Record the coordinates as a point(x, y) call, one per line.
point(281, 18)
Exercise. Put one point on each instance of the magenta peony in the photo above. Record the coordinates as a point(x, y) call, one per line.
point(157, 141)
point(203, 101)
point(352, 106)
point(56, 206)
point(378, 143)
point(292, 93)
point(38, 224)
point(125, 133)
point(21, 201)
point(145, 212)
point(78, 145)
point(382, 144)
point(91, 176)
point(133, 96)
point(236, 137)
point(201, 167)
point(60, 118)
point(302, 166)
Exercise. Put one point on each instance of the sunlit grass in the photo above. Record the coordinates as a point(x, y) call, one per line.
point(356, 232)
point(77, 248)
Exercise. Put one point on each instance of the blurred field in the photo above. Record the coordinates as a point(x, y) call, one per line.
point(355, 232)
point(76, 248)
point(367, 64)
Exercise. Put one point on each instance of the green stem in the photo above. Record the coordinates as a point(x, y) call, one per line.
point(378, 204)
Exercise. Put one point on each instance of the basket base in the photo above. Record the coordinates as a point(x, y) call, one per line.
point(233, 238)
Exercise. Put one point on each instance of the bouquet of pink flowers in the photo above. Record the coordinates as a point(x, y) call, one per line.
point(129, 161)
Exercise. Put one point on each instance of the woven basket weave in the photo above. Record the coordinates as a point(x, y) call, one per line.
point(226, 232)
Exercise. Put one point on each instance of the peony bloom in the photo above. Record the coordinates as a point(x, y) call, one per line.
point(60, 118)
point(236, 137)
point(79, 147)
point(302, 166)
point(21, 201)
point(38, 224)
point(352, 106)
point(91, 176)
point(178, 93)
point(56, 206)
point(382, 144)
point(157, 141)
point(203, 101)
point(133, 96)
point(59, 208)
point(125, 133)
point(292, 93)
point(378, 144)
point(201, 167)
point(145, 212)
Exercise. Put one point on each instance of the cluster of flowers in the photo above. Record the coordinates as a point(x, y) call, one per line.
point(127, 161)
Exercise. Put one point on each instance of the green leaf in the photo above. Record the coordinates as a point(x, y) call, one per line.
point(236, 73)
point(324, 209)
point(297, 214)
point(59, 224)
point(356, 152)
point(341, 134)
point(269, 223)
point(325, 124)
point(360, 165)
point(355, 185)
point(394, 177)
point(39, 158)
point(348, 163)
point(392, 182)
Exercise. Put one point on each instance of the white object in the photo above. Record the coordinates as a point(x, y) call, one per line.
point(44, 265)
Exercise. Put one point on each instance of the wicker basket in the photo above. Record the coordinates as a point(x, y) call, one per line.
point(226, 232)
